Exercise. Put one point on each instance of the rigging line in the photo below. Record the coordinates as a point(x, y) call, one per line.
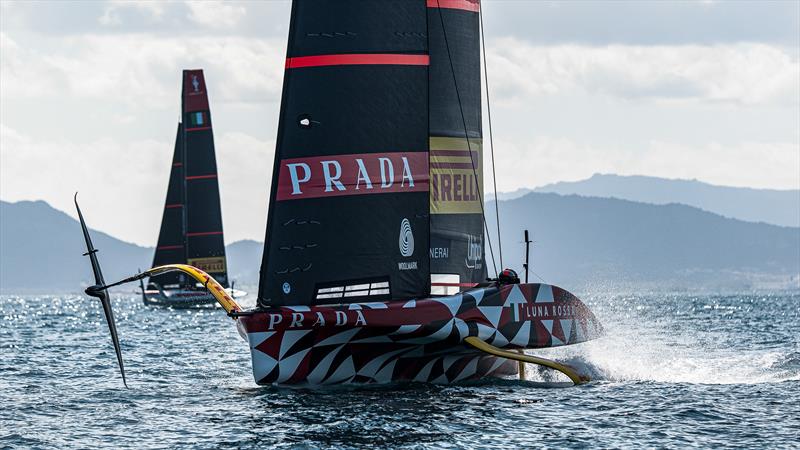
point(537, 276)
point(466, 136)
point(491, 138)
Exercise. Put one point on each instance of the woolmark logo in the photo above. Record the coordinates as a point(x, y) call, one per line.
point(406, 239)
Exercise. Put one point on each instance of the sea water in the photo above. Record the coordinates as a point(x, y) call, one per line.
point(673, 370)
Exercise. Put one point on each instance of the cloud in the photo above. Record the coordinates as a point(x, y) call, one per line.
point(611, 22)
point(215, 14)
point(140, 69)
point(114, 10)
point(245, 176)
point(125, 182)
point(547, 159)
point(744, 74)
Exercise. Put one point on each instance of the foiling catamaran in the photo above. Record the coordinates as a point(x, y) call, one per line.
point(373, 268)
point(191, 225)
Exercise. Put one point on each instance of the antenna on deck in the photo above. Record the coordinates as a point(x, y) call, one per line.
point(527, 254)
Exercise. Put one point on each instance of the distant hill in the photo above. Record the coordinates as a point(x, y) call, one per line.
point(584, 242)
point(597, 240)
point(41, 247)
point(41, 250)
point(777, 207)
point(244, 262)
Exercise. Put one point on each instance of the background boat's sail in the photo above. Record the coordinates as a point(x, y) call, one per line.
point(205, 246)
point(457, 238)
point(349, 206)
point(171, 238)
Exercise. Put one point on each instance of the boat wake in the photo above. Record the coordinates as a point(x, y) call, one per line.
point(715, 350)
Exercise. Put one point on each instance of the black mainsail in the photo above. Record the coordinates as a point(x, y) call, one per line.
point(191, 226)
point(171, 247)
point(376, 187)
point(349, 205)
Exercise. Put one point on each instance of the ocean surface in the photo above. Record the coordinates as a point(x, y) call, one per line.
point(674, 370)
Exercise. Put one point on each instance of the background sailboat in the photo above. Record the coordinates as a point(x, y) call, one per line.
point(191, 225)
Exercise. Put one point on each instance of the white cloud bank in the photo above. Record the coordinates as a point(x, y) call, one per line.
point(135, 74)
point(744, 73)
point(215, 14)
point(125, 194)
point(139, 69)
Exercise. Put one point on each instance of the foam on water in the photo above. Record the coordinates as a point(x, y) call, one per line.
point(681, 349)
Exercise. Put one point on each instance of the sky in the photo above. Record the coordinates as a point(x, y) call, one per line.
point(89, 98)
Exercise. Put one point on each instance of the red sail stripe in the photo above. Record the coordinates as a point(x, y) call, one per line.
point(452, 165)
point(175, 205)
point(357, 59)
point(169, 247)
point(198, 128)
point(465, 5)
point(201, 177)
point(204, 233)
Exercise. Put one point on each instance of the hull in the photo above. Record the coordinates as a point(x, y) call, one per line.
point(415, 340)
point(184, 298)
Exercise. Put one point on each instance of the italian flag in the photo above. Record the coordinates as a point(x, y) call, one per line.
point(197, 119)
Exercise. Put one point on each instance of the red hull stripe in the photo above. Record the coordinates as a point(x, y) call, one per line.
point(455, 284)
point(177, 164)
point(464, 5)
point(449, 165)
point(357, 59)
point(204, 233)
point(169, 247)
point(198, 128)
point(201, 177)
point(177, 205)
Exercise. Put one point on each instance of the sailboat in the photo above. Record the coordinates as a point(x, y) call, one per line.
point(374, 267)
point(191, 224)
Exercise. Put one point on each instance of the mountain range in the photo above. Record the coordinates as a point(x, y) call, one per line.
point(594, 241)
point(579, 240)
point(776, 207)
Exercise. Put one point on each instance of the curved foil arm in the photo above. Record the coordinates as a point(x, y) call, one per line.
point(573, 374)
point(216, 289)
